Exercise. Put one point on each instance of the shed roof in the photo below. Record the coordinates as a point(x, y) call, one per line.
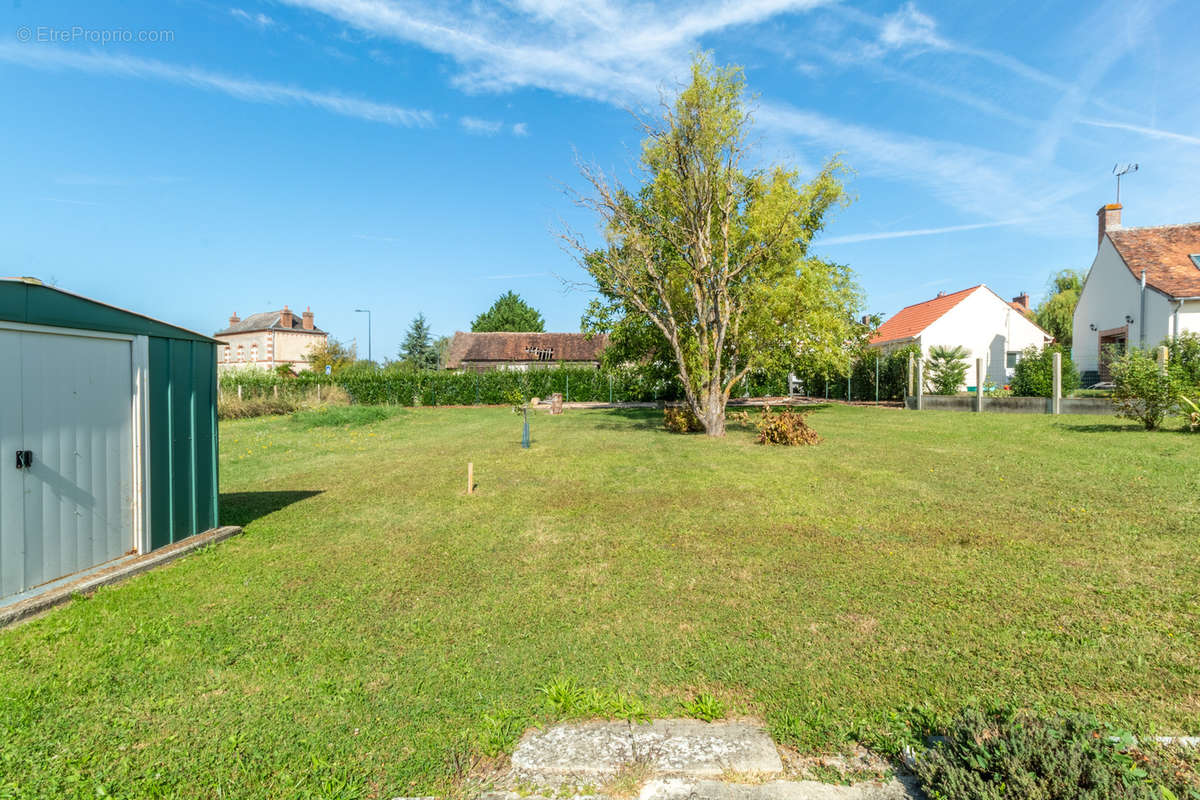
point(268, 321)
point(30, 301)
point(509, 346)
point(1165, 252)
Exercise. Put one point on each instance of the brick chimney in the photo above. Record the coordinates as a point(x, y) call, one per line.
point(285, 318)
point(1110, 218)
point(1022, 300)
point(307, 318)
point(234, 320)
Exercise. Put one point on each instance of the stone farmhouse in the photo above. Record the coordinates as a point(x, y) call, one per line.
point(480, 352)
point(267, 339)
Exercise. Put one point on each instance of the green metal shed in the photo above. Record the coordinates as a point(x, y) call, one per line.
point(108, 434)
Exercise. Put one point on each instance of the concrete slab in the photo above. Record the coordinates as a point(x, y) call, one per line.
point(676, 789)
point(60, 591)
point(669, 747)
point(687, 789)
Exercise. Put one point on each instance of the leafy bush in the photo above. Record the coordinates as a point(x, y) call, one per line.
point(945, 369)
point(230, 407)
point(1068, 757)
point(787, 427)
point(681, 419)
point(1192, 412)
point(1034, 373)
point(1142, 391)
point(1184, 353)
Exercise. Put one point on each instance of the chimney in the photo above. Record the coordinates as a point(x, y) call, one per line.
point(234, 320)
point(866, 320)
point(1110, 218)
point(1022, 300)
point(307, 318)
point(941, 294)
point(285, 318)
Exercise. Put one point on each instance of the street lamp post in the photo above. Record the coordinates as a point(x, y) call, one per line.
point(367, 311)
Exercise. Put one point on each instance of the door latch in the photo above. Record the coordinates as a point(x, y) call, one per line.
point(24, 459)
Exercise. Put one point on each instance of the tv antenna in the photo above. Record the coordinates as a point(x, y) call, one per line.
point(1119, 170)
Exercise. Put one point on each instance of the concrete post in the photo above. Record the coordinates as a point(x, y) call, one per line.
point(1056, 396)
point(978, 385)
point(239, 392)
point(911, 370)
point(1162, 360)
point(920, 385)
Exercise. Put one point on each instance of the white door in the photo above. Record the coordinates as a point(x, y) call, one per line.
point(77, 498)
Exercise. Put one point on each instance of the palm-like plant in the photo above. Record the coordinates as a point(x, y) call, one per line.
point(945, 369)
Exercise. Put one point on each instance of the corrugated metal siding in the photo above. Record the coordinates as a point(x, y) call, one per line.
point(183, 439)
point(182, 446)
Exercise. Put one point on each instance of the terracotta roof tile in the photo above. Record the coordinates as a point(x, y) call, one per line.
point(509, 347)
point(910, 321)
point(1165, 253)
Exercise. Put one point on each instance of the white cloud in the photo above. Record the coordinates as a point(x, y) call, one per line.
point(907, 27)
point(51, 58)
point(520, 129)
point(485, 127)
point(1153, 133)
point(258, 19)
point(871, 237)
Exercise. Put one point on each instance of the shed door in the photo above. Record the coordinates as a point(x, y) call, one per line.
point(76, 408)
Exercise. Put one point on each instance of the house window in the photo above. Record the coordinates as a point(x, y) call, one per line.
point(225, 354)
point(1011, 359)
point(1195, 257)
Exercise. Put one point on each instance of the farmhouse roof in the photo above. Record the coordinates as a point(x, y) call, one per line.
point(508, 346)
point(1170, 254)
point(268, 321)
point(910, 321)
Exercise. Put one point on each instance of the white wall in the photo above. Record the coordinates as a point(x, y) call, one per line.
point(1112, 292)
point(988, 327)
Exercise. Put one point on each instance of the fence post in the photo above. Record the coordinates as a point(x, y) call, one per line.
point(318, 392)
point(610, 390)
point(911, 371)
point(920, 385)
point(1162, 360)
point(476, 388)
point(275, 391)
point(876, 377)
point(825, 378)
point(1056, 398)
point(568, 392)
point(239, 392)
point(849, 379)
point(978, 384)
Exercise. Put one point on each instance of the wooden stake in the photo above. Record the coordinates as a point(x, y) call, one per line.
point(470, 477)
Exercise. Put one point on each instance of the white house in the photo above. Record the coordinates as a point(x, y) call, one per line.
point(1143, 287)
point(978, 319)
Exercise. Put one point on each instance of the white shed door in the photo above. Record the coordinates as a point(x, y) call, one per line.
point(76, 417)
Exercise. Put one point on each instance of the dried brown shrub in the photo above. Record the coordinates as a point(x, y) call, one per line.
point(785, 427)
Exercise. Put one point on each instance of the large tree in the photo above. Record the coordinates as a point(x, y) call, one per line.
point(331, 353)
point(509, 313)
point(417, 350)
point(1056, 313)
point(707, 266)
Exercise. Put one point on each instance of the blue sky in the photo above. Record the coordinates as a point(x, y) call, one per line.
point(412, 157)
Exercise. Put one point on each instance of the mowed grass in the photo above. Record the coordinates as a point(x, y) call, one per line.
point(375, 628)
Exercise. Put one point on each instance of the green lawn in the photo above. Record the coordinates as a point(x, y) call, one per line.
point(375, 626)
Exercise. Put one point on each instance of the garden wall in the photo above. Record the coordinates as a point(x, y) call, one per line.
point(1013, 405)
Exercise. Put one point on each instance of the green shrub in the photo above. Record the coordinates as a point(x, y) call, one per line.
point(788, 427)
point(681, 419)
point(1004, 755)
point(945, 369)
point(1034, 373)
point(705, 707)
point(1184, 353)
point(339, 416)
point(1142, 391)
point(230, 407)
